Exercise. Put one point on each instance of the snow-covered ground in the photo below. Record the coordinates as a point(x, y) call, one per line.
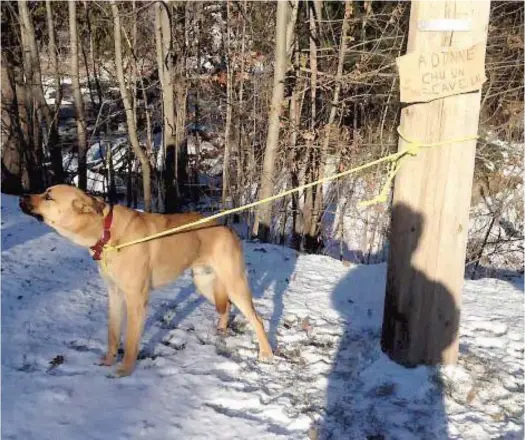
point(329, 378)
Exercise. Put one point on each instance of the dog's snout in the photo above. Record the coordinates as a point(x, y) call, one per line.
point(25, 203)
point(26, 206)
point(24, 199)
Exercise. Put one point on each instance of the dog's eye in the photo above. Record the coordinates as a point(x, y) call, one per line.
point(47, 197)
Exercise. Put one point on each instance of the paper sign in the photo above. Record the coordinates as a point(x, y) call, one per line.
point(425, 76)
point(445, 25)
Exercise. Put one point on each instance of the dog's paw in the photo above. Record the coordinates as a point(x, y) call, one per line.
point(265, 356)
point(221, 332)
point(124, 370)
point(106, 361)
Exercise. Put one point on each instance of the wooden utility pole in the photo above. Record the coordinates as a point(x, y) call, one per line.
point(430, 216)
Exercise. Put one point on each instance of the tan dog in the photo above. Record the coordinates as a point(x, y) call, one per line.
point(212, 251)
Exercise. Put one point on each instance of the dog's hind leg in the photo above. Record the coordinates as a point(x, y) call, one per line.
point(238, 291)
point(222, 304)
point(213, 290)
point(241, 297)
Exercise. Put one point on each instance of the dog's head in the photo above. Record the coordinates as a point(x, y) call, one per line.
point(70, 211)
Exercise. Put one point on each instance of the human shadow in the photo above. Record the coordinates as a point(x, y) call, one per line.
point(372, 390)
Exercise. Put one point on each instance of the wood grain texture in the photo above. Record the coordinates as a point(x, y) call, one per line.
point(431, 205)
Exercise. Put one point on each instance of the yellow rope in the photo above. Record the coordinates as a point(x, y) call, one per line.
point(383, 195)
point(394, 159)
point(104, 261)
point(413, 148)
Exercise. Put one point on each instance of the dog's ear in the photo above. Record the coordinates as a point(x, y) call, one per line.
point(90, 205)
point(99, 204)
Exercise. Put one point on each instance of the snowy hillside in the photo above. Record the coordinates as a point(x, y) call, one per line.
point(329, 379)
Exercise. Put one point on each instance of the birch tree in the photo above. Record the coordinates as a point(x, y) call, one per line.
point(264, 214)
point(77, 96)
point(130, 116)
point(12, 138)
point(226, 184)
point(55, 150)
point(44, 116)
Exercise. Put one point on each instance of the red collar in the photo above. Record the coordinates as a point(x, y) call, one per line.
point(106, 235)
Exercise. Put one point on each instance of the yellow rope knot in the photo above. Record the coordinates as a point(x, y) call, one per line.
point(381, 198)
point(104, 262)
point(413, 148)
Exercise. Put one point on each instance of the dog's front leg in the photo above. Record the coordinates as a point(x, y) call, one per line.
point(115, 314)
point(136, 313)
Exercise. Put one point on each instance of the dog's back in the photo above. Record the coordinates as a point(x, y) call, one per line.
point(206, 245)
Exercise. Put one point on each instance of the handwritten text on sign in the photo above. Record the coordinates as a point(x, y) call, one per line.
point(425, 76)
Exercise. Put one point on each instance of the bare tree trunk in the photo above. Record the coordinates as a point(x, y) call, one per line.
point(54, 141)
point(264, 213)
point(290, 30)
point(129, 178)
point(133, 88)
point(318, 201)
point(15, 127)
point(165, 55)
point(309, 220)
point(34, 102)
point(97, 104)
point(42, 110)
point(86, 58)
point(181, 96)
point(308, 208)
point(159, 47)
point(295, 167)
point(130, 117)
point(313, 67)
point(229, 103)
point(494, 220)
point(134, 67)
point(140, 77)
point(22, 74)
point(194, 84)
point(25, 115)
point(12, 138)
point(77, 96)
point(161, 176)
point(240, 115)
